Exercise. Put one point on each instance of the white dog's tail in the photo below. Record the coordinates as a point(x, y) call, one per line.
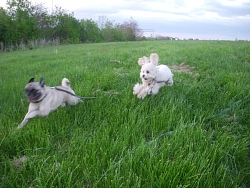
point(66, 83)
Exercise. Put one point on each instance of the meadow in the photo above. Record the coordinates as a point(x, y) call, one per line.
point(192, 134)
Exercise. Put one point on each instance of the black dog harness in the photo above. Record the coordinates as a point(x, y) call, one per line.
point(41, 99)
point(59, 89)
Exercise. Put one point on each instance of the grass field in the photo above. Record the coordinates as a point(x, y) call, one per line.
point(193, 134)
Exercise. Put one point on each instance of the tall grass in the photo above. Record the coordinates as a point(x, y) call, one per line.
point(193, 134)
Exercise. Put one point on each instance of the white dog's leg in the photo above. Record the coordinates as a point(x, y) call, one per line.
point(155, 89)
point(140, 90)
point(137, 88)
point(143, 93)
point(170, 82)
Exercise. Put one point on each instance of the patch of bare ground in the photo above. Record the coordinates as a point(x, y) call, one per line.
point(19, 162)
point(119, 71)
point(184, 68)
point(115, 61)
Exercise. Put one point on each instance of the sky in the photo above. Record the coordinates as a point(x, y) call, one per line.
point(184, 19)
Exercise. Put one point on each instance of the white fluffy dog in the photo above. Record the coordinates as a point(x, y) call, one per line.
point(153, 76)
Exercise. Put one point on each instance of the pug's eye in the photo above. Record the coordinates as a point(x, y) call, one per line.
point(147, 72)
point(27, 90)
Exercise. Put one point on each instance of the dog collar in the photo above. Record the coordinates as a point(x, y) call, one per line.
point(41, 99)
point(158, 81)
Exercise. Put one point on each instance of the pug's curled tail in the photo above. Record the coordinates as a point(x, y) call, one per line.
point(66, 83)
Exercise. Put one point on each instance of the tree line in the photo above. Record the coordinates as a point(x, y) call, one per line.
point(23, 24)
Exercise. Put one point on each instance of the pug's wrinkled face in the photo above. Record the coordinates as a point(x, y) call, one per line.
point(148, 72)
point(34, 91)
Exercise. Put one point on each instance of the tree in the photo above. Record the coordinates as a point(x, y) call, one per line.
point(22, 24)
point(128, 31)
point(43, 21)
point(4, 28)
point(89, 31)
point(108, 31)
point(131, 30)
point(66, 27)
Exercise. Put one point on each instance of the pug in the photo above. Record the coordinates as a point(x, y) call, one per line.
point(43, 99)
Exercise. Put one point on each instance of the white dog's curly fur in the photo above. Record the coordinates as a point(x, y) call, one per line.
point(153, 76)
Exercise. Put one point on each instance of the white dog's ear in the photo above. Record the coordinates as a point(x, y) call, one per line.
point(143, 60)
point(154, 58)
point(140, 61)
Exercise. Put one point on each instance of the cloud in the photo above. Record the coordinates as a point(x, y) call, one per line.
point(225, 18)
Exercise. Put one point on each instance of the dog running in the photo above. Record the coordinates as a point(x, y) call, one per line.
point(153, 76)
point(43, 99)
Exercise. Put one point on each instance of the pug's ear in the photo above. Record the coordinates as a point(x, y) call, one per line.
point(31, 80)
point(41, 82)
